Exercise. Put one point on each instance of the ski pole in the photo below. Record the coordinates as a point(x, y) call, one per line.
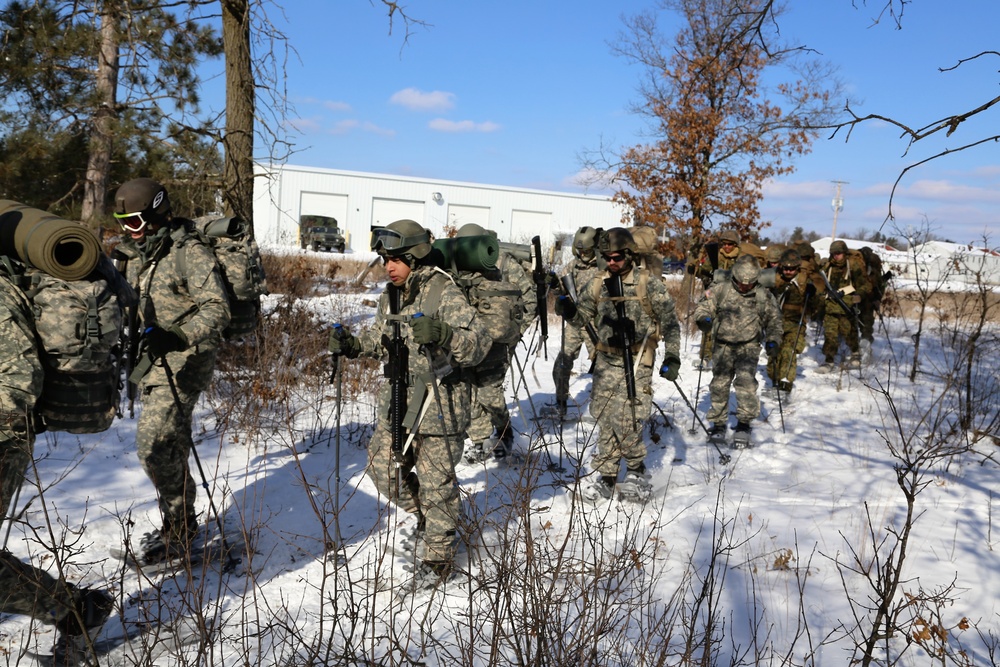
point(697, 391)
point(723, 457)
point(231, 560)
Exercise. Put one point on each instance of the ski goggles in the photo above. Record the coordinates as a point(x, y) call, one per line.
point(389, 241)
point(131, 222)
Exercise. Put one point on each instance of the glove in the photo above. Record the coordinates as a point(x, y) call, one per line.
point(887, 276)
point(160, 342)
point(565, 307)
point(427, 330)
point(343, 342)
point(704, 324)
point(840, 293)
point(670, 369)
point(810, 290)
point(552, 281)
point(771, 348)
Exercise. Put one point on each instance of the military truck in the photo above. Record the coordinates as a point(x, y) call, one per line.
point(320, 232)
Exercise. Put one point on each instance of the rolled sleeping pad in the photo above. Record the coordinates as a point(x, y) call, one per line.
point(61, 248)
point(467, 253)
point(520, 251)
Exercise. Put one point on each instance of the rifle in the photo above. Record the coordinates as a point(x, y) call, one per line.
point(396, 370)
point(130, 337)
point(569, 286)
point(839, 300)
point(624, 334)
point(538, 275)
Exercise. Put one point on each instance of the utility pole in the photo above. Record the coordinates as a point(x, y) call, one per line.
point(838, 206)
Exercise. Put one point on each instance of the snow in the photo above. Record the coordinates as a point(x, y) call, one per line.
point(774, 554)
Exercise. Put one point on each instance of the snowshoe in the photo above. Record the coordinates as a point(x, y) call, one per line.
point(741, 436)
point(476, 452)
point(636, 487)
point(598, 490)
point(717, 433)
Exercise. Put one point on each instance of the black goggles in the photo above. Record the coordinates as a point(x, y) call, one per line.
point(387, 240)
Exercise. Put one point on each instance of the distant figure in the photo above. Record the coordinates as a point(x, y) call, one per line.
point(848, 279)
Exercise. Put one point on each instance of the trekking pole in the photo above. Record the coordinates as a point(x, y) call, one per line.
point(10, 514)
point(697, 391)
point(231, 560)
point(338, 375)
point(781, 412)
point(534, 414)
point(723, 457)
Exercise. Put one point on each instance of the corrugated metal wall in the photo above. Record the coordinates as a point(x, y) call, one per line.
point(516, 215)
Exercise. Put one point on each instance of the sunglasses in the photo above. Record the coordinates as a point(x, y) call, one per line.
point(128, 224)
point(618, 257)
point(728, 243)
point(789, 268)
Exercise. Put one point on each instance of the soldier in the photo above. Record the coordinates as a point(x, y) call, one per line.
point(649, 314)
point(740, 313)
point(729, 252)
point(76, 612)
point(795, 294)
point(183, 310)
point(581, 269)
point(871, 303)
point(501, 308)
point(847, 277)
point(421, 480)
point(773, 255)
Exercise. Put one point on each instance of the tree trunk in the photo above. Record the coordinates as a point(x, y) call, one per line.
point(95, 186)
point(237, 178)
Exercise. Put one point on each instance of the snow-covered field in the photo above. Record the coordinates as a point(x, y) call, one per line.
point(780, 556)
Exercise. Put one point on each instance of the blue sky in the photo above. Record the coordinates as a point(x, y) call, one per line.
point(512, 93)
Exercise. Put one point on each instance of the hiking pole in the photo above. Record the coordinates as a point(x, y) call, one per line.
point(338, 374)
point(723, 457)
point(10, 514)
point(231, 560)
point(534, 414)
point(697, 391)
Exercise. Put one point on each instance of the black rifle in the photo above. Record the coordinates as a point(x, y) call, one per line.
point(538, 275)
point(396, 371)
point(624, 334)
point(129, 342)
point(839, 300)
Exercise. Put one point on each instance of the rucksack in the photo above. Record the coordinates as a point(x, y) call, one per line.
point(238, 258)
point(79, 325)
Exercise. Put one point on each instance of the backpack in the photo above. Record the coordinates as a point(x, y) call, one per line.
point(78, 324)
point(238, 257)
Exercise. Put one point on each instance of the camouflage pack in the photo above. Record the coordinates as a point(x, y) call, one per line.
point(79, 325)
point(238, 257)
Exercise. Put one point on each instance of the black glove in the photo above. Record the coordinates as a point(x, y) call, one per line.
point(427, 330)
point(343, 342)
point(704, 324)
point(160, 342)
point(552, 281)
point(810, 290)
point(771, 348)
point(670, 369)
point(565, 307)
point(887, 276)
point(840, 293)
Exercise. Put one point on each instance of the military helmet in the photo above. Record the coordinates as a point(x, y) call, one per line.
point(805, 250)
point(139, 202)
point(729, 235)
point(401, 238)
point(774, 252)
point(745, 273)
point(616, 239)
point(471, 229)
point(790, 259)
point(585, 241)
point(837, 247)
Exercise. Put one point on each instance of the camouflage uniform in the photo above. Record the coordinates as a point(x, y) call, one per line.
point(737, 323)
point(179, 284)
point(23, 589)
point(791, 296)
point(870, 303)
point(619, 436)
point(429, 485)
point(727, 258)
point(837, 323)
point(500, 309)
point(574, 336)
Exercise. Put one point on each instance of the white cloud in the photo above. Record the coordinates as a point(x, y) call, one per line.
point(304, 124)
point(418, 100)
point(445, 125)
point(334, 105)
point(351, 124)
point(344, 126)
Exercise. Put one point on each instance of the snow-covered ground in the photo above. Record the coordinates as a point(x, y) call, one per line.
point(774, 555)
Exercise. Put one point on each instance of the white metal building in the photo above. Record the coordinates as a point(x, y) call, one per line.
point(360, 201)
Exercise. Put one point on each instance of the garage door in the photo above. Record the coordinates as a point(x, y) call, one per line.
point(385, 211)
point(526, 224)
point(465, 215)
point(327, 205)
